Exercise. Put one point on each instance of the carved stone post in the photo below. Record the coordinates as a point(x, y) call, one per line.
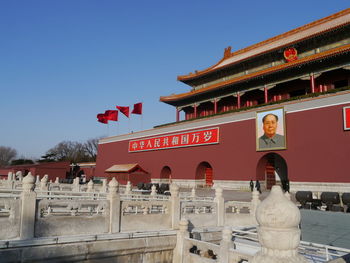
point(128, 188)
point(182, 233)
point(104, 185)
point(19, 175)
point(90, 186)
point(76, 187)
point(114, 207)
point(37, 181)
point(28, 207)
point(225, 245)
point(254, 204)
point(10, 180)
point(278, 232)
point(153, 190)
point(44, 183)
point(193, 192)
point(220, 204)
point(175, 206)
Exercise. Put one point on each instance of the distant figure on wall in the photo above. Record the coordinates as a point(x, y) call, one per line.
point(271, 139)
point(251, 184)
point(257, 186)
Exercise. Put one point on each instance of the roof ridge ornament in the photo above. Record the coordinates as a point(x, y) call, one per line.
point(227, 52)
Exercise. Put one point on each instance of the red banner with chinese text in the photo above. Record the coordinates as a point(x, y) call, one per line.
point(186, 139)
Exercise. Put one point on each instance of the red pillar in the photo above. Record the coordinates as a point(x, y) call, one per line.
point(195, 110)
point(215, 106)
point(177, 115)
point(265, 94)
point(312, 82)
point(238, 100)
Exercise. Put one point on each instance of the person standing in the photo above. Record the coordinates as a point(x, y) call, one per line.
point(251, 184)
point(257, 186)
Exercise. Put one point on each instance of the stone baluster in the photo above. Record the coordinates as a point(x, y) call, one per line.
point(153, 190)
point(37, 181)
point(278, 232)
point(104, 185)
point(193, 192)
point(76, 186)
point(225, 245)
point(28, 200)
point(10, 176)
point(90, 186)
point(19, 175)
point(11, 180)
point(175, 206)
point(254, 204)
point(44, 183)
point(181, 234)
point(114, 207)
point(220, 204)
point(128, 188)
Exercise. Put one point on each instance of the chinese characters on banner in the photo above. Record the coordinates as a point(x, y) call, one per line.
point(186, 139)
point(346, 111)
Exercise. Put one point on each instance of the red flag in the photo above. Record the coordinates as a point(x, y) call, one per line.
point(102, 118)
point(111, 115)
point(137, 108)
point(124, 110)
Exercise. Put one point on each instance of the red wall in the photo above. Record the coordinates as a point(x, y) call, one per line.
point(53, 169)
point(318, 150)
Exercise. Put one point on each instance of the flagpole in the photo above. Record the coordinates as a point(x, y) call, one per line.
point(141, 122)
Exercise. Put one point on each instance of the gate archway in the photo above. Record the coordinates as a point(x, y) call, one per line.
point(204, 172)
point(165, 175)
point(272, 169)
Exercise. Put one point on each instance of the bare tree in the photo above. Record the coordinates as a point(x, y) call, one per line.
point(90, 147)
point(6, 155)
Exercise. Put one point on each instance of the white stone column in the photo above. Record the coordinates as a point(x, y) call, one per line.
point(10, 180)
point(225, 245)
point(175, 206)
point(104, 185)
point(90, 186)
point(114, 206)
point(220, 204)
point(153, 190)
point(254, 204)
point(44, 183)
point(128, 188)
point(193, 192)
point(19, 175)
point(10, 176)
point(278, 232)
point(28, 207)
point(76, 186)
point(37, 181)
point(182, 233)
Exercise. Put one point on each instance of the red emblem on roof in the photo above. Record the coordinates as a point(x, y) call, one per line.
point(290, 54)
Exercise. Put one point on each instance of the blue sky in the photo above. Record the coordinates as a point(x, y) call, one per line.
point(62, 62)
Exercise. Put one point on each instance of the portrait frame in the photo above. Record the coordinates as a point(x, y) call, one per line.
point(346, 118)
point(279, 138)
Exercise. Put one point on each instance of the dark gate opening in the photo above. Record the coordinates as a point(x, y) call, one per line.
point(272, 169)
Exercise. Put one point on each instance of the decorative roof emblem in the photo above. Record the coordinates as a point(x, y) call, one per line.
point(290, 54)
